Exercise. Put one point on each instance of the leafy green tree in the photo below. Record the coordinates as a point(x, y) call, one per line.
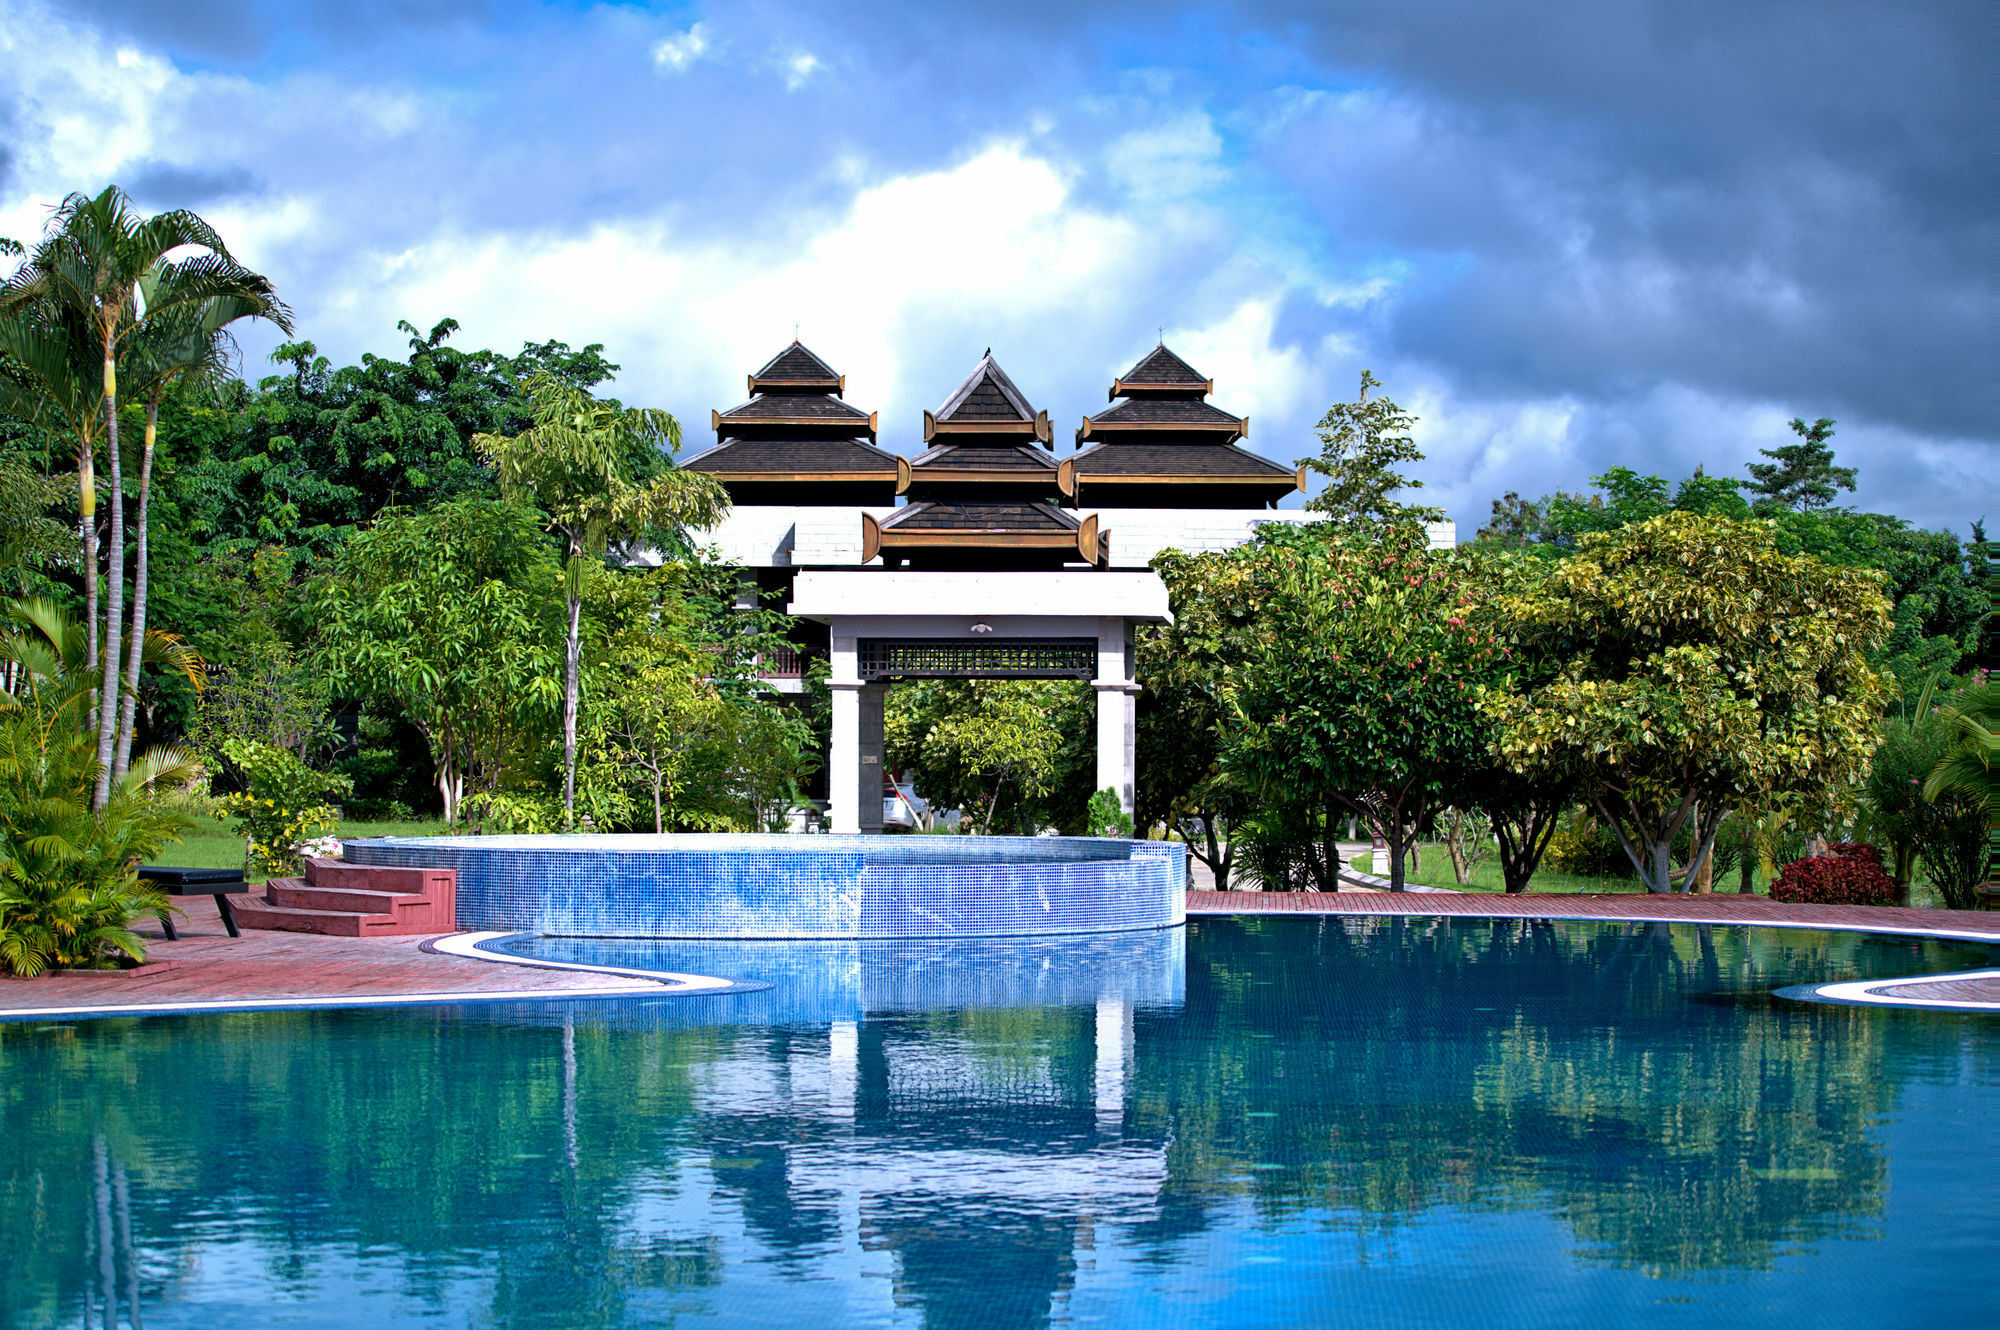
point(649, 709)
point(105, 269)
point(31, 541)
point(1697, 667)
point(444, 615)
point(1362, 443)
point(982, 744)
point(573, 462)
point(69, 888)
point(1799, 476)
point(1360, 695)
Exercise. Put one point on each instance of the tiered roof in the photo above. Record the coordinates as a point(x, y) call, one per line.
point(1163, 446)
point(797, 441)
point(984, 491)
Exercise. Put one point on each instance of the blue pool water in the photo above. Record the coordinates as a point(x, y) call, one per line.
point(1254, 1122)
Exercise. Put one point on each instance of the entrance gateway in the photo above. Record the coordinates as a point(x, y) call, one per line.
point(983, 556)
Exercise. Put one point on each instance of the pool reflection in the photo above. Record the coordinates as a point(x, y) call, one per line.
point(1255, 1122)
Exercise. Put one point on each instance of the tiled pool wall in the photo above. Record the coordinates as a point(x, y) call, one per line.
point(818, 981)
point(777, 886)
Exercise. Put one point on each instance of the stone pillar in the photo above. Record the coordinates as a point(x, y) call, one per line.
point(1117, 710)
point(868, 772)
point(843, 764)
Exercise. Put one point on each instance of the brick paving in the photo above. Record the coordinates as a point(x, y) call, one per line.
point(1985, 988)
point(209, 966)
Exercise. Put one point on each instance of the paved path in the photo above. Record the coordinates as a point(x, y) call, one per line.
point(208, 966)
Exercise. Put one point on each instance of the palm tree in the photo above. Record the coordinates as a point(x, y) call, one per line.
point(50, 377)
point(1967, 766)
point(573, 461)
point(191, 343)
point(105, 266)
point(68, 886)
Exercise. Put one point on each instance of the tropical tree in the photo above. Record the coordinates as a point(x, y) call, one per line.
point(1360, 696)
point(102, 273)
point(1701, 668)
point(573, 461)
point(442, 615)
point(191, 342)
point(68, 884)
point(1362, 443)
point(983, 743)
point(1800, 475)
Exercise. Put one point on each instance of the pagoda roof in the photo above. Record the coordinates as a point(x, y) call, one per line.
point(1177, 461)
point(1160, 370)
point(987, 402)
point(797, 367)
point(1001, 516)
point(1164, 415)
point(1011, 458)
point(775, 409)
point(796, 459)
point(953, 528)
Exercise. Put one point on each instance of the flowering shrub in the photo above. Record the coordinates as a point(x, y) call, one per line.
point(284, 802)
point(1845, 875)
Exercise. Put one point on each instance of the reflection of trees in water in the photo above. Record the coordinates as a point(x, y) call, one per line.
point(1407, 1064)
point(1360, 1072)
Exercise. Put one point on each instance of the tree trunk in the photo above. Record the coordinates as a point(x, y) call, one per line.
point(1454, 845)
point(86, 484)
point(659, 825)
point(572, 666)
point(127, 719)
point(114, 591)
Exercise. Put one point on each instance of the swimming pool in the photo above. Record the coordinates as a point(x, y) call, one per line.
point(1275, 1121)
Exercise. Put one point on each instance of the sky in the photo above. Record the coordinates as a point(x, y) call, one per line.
point(1568, 235)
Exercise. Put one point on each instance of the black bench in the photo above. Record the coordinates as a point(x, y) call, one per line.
point(221, 883)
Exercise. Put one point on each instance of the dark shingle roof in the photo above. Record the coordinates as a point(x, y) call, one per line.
point(807, 456)
point(1009, 457)
point(1166, 413)
point(986, 395)
point(1204, 460)
point(795, 364)
point(779, 406)
point(1161, 368)
point(947, 515)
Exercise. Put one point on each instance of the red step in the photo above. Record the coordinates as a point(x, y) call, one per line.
point(352, 900)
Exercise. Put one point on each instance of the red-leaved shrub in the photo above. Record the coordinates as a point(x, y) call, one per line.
point(1845, 875)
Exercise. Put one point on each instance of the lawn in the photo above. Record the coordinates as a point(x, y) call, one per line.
point(1436, 872)
point(214, 844)
point(1486, 877)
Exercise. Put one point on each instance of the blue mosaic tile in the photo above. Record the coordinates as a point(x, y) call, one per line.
point(777, 886)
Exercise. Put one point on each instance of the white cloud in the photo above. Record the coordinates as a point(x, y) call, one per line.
point(798, 68)
point(679, 51)
point(1253, 375)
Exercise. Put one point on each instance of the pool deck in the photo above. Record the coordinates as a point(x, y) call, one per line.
point(209, 971)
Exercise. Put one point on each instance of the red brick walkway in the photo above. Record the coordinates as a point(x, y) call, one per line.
point(207, 965)
point(1636, 908)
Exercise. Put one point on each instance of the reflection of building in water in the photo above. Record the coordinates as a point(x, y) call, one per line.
point(927, 1113)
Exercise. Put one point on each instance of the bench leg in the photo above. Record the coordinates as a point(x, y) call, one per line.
point(228, 915)
point(167, 922)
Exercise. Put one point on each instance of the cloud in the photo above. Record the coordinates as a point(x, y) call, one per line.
point(682, 49)
point(1642, 234)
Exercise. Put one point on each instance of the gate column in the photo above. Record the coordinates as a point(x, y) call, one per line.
point(1117, 710)
point(843, 766)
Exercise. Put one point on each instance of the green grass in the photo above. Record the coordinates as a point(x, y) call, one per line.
point(215, 844)
point(1436, 872)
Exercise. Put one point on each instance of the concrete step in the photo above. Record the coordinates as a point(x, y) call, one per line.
point(256, 912)
point(300, 895)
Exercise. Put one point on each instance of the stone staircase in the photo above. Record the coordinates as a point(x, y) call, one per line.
point(350, 900)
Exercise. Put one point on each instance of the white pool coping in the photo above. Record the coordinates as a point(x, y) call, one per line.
point(1873, 992)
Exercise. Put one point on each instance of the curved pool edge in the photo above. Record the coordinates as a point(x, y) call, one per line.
point(1877, 992)
point(473, 946)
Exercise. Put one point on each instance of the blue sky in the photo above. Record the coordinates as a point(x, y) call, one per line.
point(1568, 235)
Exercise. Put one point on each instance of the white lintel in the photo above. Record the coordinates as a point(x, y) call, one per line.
point(956, 596)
